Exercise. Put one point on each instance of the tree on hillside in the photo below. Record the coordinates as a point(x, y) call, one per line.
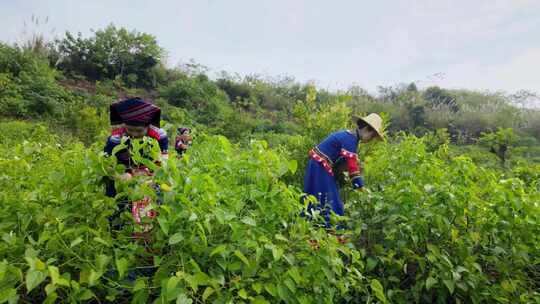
point(437, 96)
point(111, 53)
point(412, 87)
point(499, 142)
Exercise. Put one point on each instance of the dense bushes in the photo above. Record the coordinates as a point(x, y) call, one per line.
point(28, 86)
point(113, 52)
point(128, 63)
point(432, 228)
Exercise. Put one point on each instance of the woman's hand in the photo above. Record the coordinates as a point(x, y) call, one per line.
point(125, 177)
point(141, 172)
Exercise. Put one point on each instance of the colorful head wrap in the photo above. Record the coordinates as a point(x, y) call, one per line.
point(182, 130)
point(135, 111)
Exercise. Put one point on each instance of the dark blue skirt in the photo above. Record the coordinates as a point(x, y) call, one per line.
point(323, 186)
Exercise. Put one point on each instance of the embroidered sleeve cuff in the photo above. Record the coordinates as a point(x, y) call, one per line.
point(347, 154)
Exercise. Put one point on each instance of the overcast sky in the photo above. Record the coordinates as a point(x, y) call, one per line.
point(480, 44)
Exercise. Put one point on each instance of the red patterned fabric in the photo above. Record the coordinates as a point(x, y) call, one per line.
point(140, 209)
point(352, 162)
point(322, 160)
point(153, 132)
point(118, 131)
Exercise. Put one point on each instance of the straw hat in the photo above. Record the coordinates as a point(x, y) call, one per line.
point(374, 121)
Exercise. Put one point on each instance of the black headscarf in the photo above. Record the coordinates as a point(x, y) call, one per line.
point(135, 111)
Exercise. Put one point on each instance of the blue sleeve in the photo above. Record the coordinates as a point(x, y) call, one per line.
point(163, 141)
point(110, 189)
point(109, 146)
point(357, 182)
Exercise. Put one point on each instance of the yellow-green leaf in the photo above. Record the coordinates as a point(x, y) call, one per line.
point(76, 242)
point(430, 282)
point(257, 287)
point(378, 290)
point(175, 238)
point(54, 273)
point(102, 241)
point(450, 285)
point(122, 265)
point(207, 293)
point(219, 249)
point(243, 294)
point(39, 264)
point(242, 257)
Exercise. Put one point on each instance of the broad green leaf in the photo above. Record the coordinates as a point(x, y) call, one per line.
point(183, 299)
point(51, 298)
point(55, 277)
point(283, 291)
point(295, 274)
point(506, 285)
point(172, 283)
point(121, 266)
point(102, 241)
point(259, 300)
point(164, 224)
point(290, 284)
point(498, 250)
point(50, 288)
point(242, 257)
point(281, 237)
point(450, 285)
point(242, 294)
point(455, 235)
point(293, 166)
point(39, 264)
point(202, 278)
point(434, 249)
point(277, 253)
point(271, 289)
point(33, 279)
point(3, 270)
point(141, 296)
point(257, 287)
point(378, 290)
point(430, 282)
point(207, 293)
point(8, 295)
point(249, 221)
point(140, 284)
point(371, 263)
point(176, 238)
point(93, 277)
point(85, 294)
point(102, 261)
point(76, 242)
point(219, 249)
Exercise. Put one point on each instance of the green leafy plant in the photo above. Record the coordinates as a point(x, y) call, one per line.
point(499, 142)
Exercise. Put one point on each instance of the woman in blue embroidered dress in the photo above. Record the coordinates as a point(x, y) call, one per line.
point(338, 147)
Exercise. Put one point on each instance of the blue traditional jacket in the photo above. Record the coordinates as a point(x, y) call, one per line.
point(338, 146)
